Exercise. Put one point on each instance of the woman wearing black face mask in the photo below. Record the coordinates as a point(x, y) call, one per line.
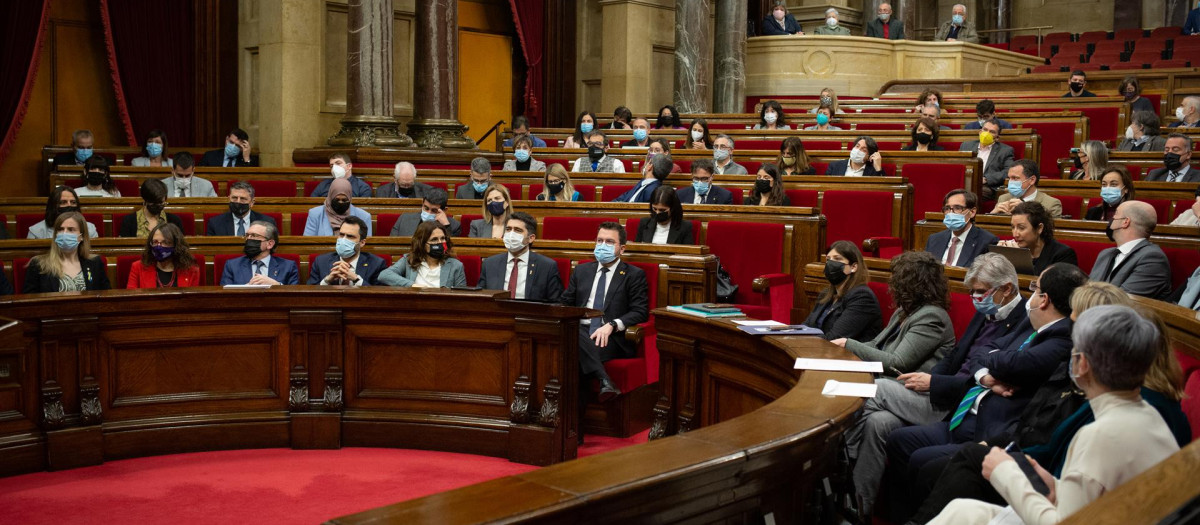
point(924, 136)
point(558, 185)
point(62, 200)
point(325, 219)
point(768, 188)
point(430, 264)
point(151, 214)
point(665, 224)
point(497, 209)
point(847, 307)
point(97, 181)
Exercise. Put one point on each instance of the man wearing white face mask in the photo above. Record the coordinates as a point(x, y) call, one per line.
point(885, 26)
point(182, 182)
point(341, 168)
point(831, 27)
point(1187, 115)
point(525, 274)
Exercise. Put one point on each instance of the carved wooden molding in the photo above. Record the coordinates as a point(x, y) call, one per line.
point(548, 416)
point(90, 410)
point(334, 401)
point(519, 410)
point(298, 393)
point(658, 429)
point(53, 414)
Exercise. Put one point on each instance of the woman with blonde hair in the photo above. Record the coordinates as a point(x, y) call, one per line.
point(828, 99)
point(1091, 161)
point(497, 208)
point(557, 185)
point(69, 266)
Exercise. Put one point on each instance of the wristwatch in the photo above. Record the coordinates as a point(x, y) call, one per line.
point(614, 325)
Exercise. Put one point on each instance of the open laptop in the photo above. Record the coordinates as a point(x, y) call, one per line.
point(1019, 257)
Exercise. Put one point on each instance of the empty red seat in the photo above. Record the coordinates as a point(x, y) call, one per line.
point(1162, 207)
point(845, 220)
point(931, 183)
point(1166, 32)
point(1020, 41)
point(962, 310)
point(1129, 34)
point(610, 192)
point(20, 265)
point(803, 198)
point(571, 228)
point(1072, 206)
point(880, 126)
point(1125, 66)
point(1183, 261)
point(1071, 48)
point(311, 186)
point(728, 240)
point(276, 188)
point(1054, 39)
point(629, 374)
point(1105, 58)
point(1057, 140)
point(886, 305)
point(1109, 46)
point(1145, 56)
point(1087, 67)
point(472, 266)
point(1167, 64)
point(1092, 37)
point(1190, 54)
point(1086, 252)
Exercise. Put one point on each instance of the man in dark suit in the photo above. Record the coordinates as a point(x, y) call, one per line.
point(405, 185)
point(641, 134)
point(258, 266)
point(1177, 159)
point(341, 167)
point(961, 241)
point(236, 153)
point(986, 110)
point(997, 158)
point(347, 265)
point(481, 178)
point(999, 386)
point(525, 274)
point(82, 144)
point(702, 190)
point(660, 168)
point(884, 26)
point(618, 290)
point(1135, 265)
point(433, 208)
point(241, 213)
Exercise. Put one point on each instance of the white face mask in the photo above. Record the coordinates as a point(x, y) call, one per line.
point(778, 14)
point(1179, 113)
point(514, 242)
point(338, 171)
point(831, 22)
point(857, 156)
point(697, 135)
point(770, 117)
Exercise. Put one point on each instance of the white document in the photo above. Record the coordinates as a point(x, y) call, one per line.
point(758, 323)
point(839, 365)
point(246, 286)
point(838, 388)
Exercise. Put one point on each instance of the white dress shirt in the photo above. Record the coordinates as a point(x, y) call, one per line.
point(608, 280)
point(522, 272)
point(1124, 250)
point(428, 277)
point(266, 270)
point(661, 232)
point(962, 241)
point(983, 154)
point(851, 172)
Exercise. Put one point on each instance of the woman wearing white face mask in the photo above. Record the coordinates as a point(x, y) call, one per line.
point(1143, 134)
point(698, 135)
point(772, 117)
point(780, 22)
point(832, 27)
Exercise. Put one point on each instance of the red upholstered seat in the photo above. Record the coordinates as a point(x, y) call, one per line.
point(931, 183)
point(465, 220)
point(758, 144)
point(1072, 48)
point(1191, 401)
point(1167, 64)
point(1183, 262)
point(1087, 67)
point(728, 240)
point(610, 192)
point(514, 191)
point(1086, 252)
point(25, 221)
point(1105, 57)
point(1093, 37)
point(124, 263)
point(20, 264)
point(633, 223)
point(275, 188)
point(472, 266)
point(1054, 39)
point(1072, 206)
point(1020, 41)
point(311, 186)
point(571, 228)
point(961, 312)
point(1162, 207)
point(564, 270)
point(384, 222)
point(299, 219)
point(189, 222)
point(128, 187)
point(890, 145)
point(885, 299)
point(1143, 55)
point(628, 374)
point(1128, 34)
point(1124, 66)
point(816, 145)
point(880, 126)
point(1166, 32)
point(819, 167)
point(803, 198)
point(1110, 47)
point(845, 220)
point(1057, 140)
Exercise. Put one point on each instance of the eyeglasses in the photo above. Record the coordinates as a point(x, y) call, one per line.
point(595, 144)
point(1034, 288)
point(163, 244)
point(606, 242)
point(954, 208)
point(722, 147)
point(705, 180)
point(978, 295)
point(255, 237)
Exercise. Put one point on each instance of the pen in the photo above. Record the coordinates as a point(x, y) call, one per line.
point(783, 328)
point(1010, 446)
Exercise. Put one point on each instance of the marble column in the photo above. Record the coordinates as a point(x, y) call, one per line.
point(729, 88)
point(369, 120)
point(693, 56)
point(906, 11)
point(435, 90)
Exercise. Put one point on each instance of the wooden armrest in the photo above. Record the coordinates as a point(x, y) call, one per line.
point(764, 283)
point(634, 333)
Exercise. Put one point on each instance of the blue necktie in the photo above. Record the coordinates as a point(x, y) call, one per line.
point(258, 267)
point(241, 229)
point(598, 303)
point(964, 406)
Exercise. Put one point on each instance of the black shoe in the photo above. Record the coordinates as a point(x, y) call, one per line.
point(608, 390)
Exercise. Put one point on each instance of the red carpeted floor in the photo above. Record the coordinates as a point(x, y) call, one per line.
point(250, 486)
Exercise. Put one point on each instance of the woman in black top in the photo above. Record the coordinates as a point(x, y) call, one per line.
point(847, 307)
point(924, 136)
point(666, 220)
point(1033, 228)
point(154, 199)
point(69, 265)
point(1116, 186)
point(768, 188)
point(793, 160)
point(1131, 89)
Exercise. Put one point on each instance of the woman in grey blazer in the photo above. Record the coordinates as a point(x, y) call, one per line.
point(1143, 134)
point(523, 161)
point(497, 209)
point(920, 332)
point(430, 264)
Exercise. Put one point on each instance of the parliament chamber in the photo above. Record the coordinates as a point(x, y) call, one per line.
point(837, 135)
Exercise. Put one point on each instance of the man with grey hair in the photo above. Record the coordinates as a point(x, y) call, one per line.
point(921, 398)
point(1135, 265)
point(481, 178)
point(1114, 349)
point(831, 27)
point(241, 213)
point(660, 168)
point(723, 157)
point(958, 28)
point(884, 25)
point(405, 185)
point(82, 144)
point(259, 266)
point(1187, 115)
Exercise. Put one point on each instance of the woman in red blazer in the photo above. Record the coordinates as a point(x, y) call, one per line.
point(166, 262)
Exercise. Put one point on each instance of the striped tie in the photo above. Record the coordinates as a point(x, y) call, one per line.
point(964, 406)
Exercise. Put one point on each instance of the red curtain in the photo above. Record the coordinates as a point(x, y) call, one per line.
point(22, 24)
point(529, 16)
point(151, 55)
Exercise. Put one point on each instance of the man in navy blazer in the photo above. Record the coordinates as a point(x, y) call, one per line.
point(347, 265)
point(241, 210)
point(702, 190)
point(625, 303)
point(341, 167)
point(959, 207)
point(537, 276)
point(1192, 25)
point(258, 266)
point(660, 167)
point(236, 153)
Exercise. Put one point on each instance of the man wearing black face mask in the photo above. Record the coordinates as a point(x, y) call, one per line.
point(597, 159)
point(258, 266)
point(241, 214)
point(1177, 157)
point(1076, 84)
point(154, 199)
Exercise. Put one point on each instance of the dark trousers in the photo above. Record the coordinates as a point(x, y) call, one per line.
point(592, 357)
point(960, 477)
point(909, 450)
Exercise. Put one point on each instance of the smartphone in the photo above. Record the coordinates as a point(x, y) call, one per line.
point(1074, 151)
point(1030, 473)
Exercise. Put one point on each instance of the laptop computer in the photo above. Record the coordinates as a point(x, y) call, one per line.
point(1019, 257)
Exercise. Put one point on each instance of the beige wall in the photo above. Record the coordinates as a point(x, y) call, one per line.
point(625, 55)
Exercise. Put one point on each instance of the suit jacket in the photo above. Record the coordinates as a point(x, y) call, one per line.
point(1025, 369)
point(1054, 252)
point(66, 159)
point(909, 344)
point(142, 276)
point(318, 223)
point(197, 187)
point(1160, 175)
point(771, 28)
point(978, 240)
point(1001, 158)
point(1096, 213)
point(239, 271)
point(420, 190)
point(1191, 290)
point(534, 165)
point(626, 297)
point(369, 266)
point(359, 187)
point(466, 191)
point(223, 224)
point(1156, 144)
point(715, 195)
point(838, 168)
point(480, 229)
point(644, 196)
point(855, 316)
point(1145, 271)
point(542, 283)
point(216, 159)
point(94, 277)
point(129, 224)
point(875, 29)
point(403, 275)
point(946, 388)
point(1052, 205)
point(966, 33)
point(974, 124)
point(1192, 26)
point(407, 224)
point(680, 235)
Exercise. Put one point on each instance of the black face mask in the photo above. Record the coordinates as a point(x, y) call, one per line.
point(1077, 86)
point(660, 216)
point(1172, 161)
point(96, 178)
point(1109, 231)
point(762, 186)
point(404, 192)
point(556, 187)
point(835, 272)
point(252, 248)
point(924, 138)
point(239, 209)
point(595, 153)
point(340, 207)
point(155, 209)
point(437, 251)
point(1078, 163)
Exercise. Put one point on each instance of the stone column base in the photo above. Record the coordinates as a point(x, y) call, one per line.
point(368, 130)
point(440, 134)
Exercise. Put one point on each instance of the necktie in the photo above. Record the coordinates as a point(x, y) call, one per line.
point(1112, 264)
point(182, 193)
point(512, 278)
point(598, 303)
point(1172, 177)
point(259, 267)
point(964, 406)
point(1196, 305)
point(952, 253)
point(241, 229)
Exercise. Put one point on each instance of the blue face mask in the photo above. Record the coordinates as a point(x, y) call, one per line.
point(954, 221)
point(586, 127)
point(987, 305)
point(958, 20)
point(1111, 196)
point(1015, 189)
point(426, 216)
point(153, 149)
point(822, 119)
point(700, 187)
point(522, 155)
point(345, 248)
point(83, 154)
point(605, 253)
point(67, 242)
point(232, 150)
point(479, 186)
point(639, 135)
